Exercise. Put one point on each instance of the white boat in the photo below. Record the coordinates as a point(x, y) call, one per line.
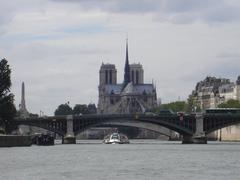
point(116, 138)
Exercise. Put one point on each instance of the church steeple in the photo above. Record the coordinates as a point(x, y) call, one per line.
point(127, 67)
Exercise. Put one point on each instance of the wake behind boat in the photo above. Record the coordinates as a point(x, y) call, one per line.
point(116, 138)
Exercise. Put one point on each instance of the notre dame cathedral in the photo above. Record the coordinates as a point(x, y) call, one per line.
point(131, 96)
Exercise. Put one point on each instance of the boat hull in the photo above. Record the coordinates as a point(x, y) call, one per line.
point(44, 140)
point(116, 138)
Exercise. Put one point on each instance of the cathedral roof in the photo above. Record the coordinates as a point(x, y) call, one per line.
point(129, 89)
point(144, 88)
point(113, 88)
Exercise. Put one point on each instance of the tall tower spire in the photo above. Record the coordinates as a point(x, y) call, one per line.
point(23, 110)
point(23, 104)
point(127, 67)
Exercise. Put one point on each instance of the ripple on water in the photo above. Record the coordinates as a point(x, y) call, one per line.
point(142, 159)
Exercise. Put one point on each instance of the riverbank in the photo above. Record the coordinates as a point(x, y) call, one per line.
point(15, 140)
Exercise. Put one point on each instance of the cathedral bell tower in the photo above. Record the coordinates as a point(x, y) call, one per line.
point(107, 74)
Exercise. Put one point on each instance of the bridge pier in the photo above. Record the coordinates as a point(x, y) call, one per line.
point(69, 138)
point(187, 139)
point(199, 137)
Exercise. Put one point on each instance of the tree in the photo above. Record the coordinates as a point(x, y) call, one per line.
point(5, 78)
point(174, 106)
point(192, 104)
point(63, 109)
point(230, 104)
point(7, 107)
point(80, 109)
point(84, 109)
point(92, 109)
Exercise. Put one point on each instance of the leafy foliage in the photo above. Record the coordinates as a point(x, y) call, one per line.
point(230, 104)
point(177, 106)
point(80, 109)
point(63, 109)
point(7, 107)
point(5, 78)
point(174, 106)
point(192, 104)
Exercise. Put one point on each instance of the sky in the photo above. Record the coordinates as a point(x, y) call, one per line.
point(57, 46)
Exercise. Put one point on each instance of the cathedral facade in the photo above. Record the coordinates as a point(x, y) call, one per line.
point(130, 96)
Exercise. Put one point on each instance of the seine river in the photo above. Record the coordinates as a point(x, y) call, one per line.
point(140, 160)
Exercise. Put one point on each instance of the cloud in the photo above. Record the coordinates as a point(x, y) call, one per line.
point(228, 65)
point(118, 6)
point(176, 11)
point(9, 9)
point(229, 55)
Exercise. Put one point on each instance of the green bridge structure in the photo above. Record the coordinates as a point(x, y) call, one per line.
point(193, 128)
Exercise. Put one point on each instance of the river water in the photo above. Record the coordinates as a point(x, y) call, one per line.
point(139, 160)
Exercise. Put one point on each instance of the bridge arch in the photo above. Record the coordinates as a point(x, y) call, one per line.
point(219, 121)
point(151, 123)
point(222, 126)
point(57, 128)
point(178, 126)
point(130, 123)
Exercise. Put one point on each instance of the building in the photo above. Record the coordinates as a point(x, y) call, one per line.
point(227, 92)
point(213, 91)
point(130, 96)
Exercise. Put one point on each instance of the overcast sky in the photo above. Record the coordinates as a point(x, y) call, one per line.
point(57, 46)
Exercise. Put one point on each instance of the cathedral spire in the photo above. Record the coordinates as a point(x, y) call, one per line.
point(127, 67)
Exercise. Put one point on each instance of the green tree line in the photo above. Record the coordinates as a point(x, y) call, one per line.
point(192, 106)
point(180, 106)
point(231, 103)
point(78, 109)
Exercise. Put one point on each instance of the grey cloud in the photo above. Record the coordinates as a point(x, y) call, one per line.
point(175, 11)
point(227, 69)
point(184, 11)
point(40, 50)
point(229, 55)
point(9, 9)
point(133, 6)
